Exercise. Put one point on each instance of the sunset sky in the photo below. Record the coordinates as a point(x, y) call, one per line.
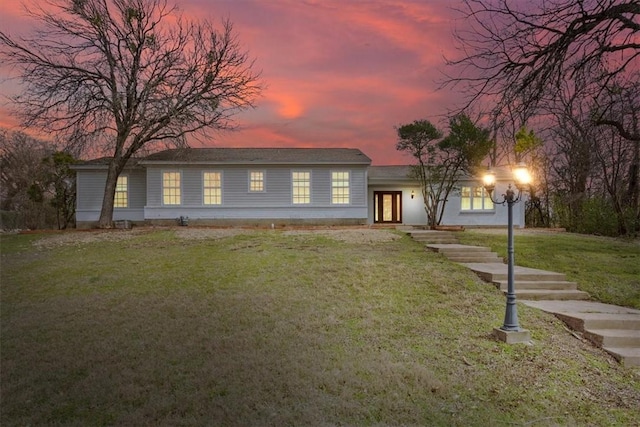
point(339, 73)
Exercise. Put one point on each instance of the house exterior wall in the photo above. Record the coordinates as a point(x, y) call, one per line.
point(274, 203)
point(90, 186)
point(496, 217)
point(413, 212)
point(412, 209)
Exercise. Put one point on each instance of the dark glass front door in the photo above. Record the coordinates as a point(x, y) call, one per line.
point(387, 207)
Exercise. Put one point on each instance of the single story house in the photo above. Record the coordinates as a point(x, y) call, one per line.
point(279, 186)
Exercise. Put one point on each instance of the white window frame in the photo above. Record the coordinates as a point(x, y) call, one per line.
point(179, 187)
point(340, 199)
point(121, 202)
point(262, 181)
point(205, 188)
point(475, 199)
point(304, 199)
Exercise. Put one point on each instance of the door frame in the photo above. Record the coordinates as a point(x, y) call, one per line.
point(379, 205)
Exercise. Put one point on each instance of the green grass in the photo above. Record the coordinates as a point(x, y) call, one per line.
point(266, 328)
point(608, 269)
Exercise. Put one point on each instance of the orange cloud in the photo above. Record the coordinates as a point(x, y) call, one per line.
point(289, 106)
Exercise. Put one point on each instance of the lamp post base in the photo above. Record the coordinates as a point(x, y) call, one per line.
point(512, 337)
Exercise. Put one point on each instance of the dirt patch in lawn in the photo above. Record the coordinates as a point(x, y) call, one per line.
point(352, 235)
point(347, 235)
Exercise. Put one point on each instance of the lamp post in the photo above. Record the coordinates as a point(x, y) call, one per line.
point(522, 178)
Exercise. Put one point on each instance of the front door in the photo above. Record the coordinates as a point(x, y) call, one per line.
point(387, 207)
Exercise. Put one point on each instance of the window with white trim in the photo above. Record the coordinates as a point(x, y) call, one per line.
point(171, 188)
point(256, 181)
point(212, 188)
point(121, 197)
point(301, 187)
point(475, 199)
point(340, 184)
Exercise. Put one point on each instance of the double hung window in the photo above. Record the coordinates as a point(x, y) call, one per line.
point(121, 198)
point(475, 199)
point(212, 188)
point(256, 181)
point(171, 188)
point(340, 185)
point(301, 187)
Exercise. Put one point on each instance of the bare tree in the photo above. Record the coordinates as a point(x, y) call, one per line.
point(617, 159)
point(517, 55)
point(574, 139)
point(20, 167)
point(129, 73)
point(594, 166)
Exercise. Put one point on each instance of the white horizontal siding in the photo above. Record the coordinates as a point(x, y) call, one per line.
point(90, 189)
point(235, 188)
point(309, 213)
point(499, 216)
point(90, 193)
point(413, 212)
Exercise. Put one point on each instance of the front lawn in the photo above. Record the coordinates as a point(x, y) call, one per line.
point(258, 328)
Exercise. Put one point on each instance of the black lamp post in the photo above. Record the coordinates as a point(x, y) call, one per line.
point(522, 179)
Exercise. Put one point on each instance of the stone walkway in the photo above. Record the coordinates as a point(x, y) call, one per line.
point(613, 328)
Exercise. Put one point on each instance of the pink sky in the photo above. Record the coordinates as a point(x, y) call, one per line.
point(339, 73)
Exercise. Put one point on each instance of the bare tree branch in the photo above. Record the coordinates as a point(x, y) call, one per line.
point(516, 55)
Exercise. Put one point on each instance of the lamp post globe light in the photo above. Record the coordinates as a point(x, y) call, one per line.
point(510, 331)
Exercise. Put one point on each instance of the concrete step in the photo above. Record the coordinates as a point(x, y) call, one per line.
point(465, 253)
point(419, 233)
point(492, 272)
point(613, 337)
point(457, 248)
point(583, 321)
point(433, 236)
point(488, 258)
point(628, 356)
point(439, 240)
point(558, 295)
point(558, 285)
point(614, 328)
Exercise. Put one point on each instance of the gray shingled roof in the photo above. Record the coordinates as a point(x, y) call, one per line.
point(102, 163)
point(390, 172)
point(401, 173)
point(259, 156)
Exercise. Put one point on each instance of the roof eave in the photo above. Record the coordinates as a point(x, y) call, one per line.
point(245, 163)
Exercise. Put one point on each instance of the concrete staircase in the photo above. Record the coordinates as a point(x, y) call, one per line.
point(466, 254)
point(615, 329)
point(530, 283)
